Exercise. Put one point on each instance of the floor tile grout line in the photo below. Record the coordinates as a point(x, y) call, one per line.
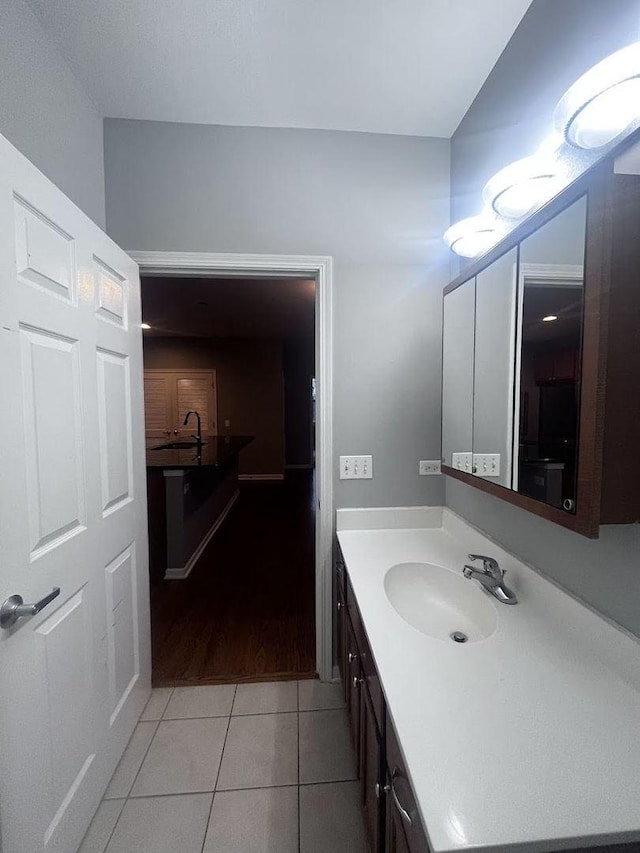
point(108, 841)
point(215, 785)
point(146, 752)
point(234, 790)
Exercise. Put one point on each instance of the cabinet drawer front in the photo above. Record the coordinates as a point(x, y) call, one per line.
point(401, 795)
point(367, 663)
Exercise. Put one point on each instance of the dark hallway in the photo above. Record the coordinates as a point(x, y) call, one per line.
point(246, 612)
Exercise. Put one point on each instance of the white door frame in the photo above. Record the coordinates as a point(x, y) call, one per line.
point(278, 266)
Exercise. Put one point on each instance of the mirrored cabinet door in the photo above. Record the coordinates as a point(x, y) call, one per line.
point(549, 342)
point(457, 376)
point(493, 395)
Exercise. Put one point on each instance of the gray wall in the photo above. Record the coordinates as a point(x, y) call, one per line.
point(45, 112)
point(555, 43)
point(377, 204)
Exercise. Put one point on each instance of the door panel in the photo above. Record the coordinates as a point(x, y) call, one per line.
point(52, 421)
point(72, 511)
point(114, 416)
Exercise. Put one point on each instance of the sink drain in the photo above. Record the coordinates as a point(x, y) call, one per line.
point(458, 637)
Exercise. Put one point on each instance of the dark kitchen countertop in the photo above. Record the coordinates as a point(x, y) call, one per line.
point(216, 450)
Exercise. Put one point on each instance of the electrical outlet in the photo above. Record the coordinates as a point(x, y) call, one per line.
point(486, 464)
point(429, 466)
point(356, 467)
point(462, 462)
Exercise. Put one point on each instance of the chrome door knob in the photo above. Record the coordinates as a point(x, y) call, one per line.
point(14, 608)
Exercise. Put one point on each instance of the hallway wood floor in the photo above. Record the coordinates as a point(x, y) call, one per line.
point(246, 612)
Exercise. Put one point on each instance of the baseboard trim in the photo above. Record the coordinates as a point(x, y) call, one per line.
point(172, 574)
point(257, 477)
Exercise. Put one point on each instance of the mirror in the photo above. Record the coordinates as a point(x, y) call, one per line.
point(549, 338)
point(493, 393)
point(457, 376)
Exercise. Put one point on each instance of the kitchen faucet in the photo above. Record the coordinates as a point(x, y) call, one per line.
point(491, 576)
point(197, 437)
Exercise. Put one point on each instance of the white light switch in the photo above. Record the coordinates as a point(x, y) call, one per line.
point(486, 464)
point(462, 461)
point(356, 467)
point(429, 466)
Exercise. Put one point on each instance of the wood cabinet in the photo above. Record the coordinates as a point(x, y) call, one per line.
point(371, 771)
point(604, 465)
point(370, 730)
point(170, 394)
point(558, 366)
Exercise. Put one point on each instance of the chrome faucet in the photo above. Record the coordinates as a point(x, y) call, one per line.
point(491, 576)
point(197, 437)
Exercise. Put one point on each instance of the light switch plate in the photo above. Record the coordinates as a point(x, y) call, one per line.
point(428, 467)
point(486, 464)
point(356, 467)
point(462, 462)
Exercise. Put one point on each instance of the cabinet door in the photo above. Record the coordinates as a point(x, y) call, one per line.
point(395, 840)
point(341, 638)
point(158, 408)
point(371, 772)
point(401, 800)
point(353, 687)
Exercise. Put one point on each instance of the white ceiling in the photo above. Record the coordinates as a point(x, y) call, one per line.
point(384, 66)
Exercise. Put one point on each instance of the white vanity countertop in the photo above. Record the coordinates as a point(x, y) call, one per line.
point(528, 740)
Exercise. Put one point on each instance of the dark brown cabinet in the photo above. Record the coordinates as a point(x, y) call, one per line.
point(371, 732)
point(558, 366)
point(371, 771)
point(353, 686)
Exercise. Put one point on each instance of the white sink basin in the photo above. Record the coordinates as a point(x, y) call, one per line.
point(438, 602)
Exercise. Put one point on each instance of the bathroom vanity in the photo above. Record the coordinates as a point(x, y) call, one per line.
point(524, 738)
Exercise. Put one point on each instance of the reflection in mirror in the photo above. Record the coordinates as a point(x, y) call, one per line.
point(457, 376)
point(550, 316)
point(494, 370)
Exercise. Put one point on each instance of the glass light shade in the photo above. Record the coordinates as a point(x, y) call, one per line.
point(602, 103)
point(472, 237)
point(524, 186)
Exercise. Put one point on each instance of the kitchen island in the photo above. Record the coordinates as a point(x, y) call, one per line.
point(190, 492)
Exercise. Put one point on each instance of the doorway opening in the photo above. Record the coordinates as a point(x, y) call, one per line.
point(234, 542)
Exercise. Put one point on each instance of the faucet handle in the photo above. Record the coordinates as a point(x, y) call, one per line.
point(489, 564)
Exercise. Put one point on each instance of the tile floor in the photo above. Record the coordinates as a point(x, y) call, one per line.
point(248, 768)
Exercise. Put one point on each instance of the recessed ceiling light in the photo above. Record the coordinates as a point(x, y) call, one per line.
point(145, 326)
point(603, 102)
point(474, 236)
point(549, 318)
point(524, 186)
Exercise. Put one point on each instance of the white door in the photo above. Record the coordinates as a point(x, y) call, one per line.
point(75, 676)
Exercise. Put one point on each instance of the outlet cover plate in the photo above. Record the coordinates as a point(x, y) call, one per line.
point(429, 467)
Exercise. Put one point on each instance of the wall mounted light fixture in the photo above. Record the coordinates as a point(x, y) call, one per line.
point(474, 236)
point(523, 186)
point(600, 108)
point(603, 102)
